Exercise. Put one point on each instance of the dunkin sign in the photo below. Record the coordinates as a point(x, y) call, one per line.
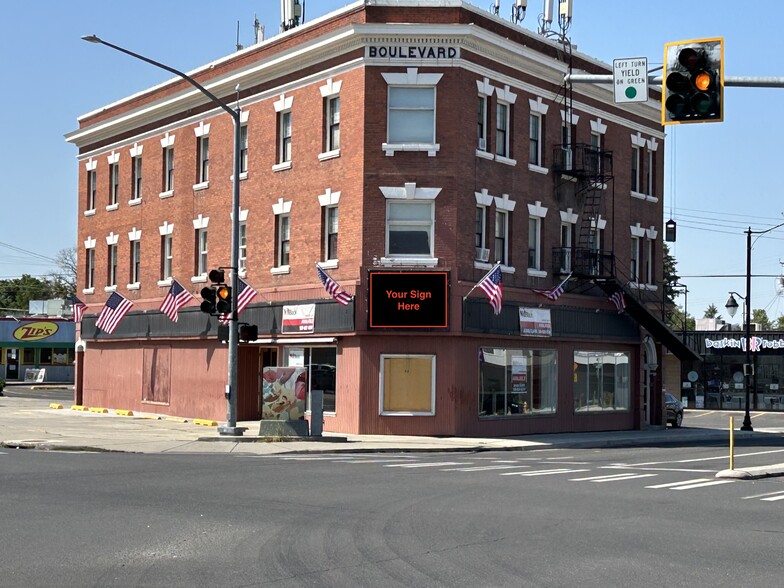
point(35, 331)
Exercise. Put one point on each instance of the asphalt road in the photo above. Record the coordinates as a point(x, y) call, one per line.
point(589, 518)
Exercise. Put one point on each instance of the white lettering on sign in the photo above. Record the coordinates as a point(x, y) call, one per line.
point(755, 343)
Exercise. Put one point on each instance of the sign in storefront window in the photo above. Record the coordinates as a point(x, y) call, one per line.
point(408, 384)
point(601, 381)
point(517, 382)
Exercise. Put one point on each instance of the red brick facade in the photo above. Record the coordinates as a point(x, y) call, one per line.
point(333, 50)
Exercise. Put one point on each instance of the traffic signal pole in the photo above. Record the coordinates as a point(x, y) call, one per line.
point(231, 387)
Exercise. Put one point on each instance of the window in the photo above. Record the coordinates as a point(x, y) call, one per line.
point(91, 189)
point(168, 169)
point(634, 266)
point(502, 129)
point(283, 241)
point(332, 130)
point(28, 355)
point(635, 168)
point(136, 177)
point(481, 123)
point(410, 228)
point(594, 162)
point(650, 272)
point(203, 175)
point(201, 252)
point(407, 385)
point(567, 239)
point(244, 149)
point(534, 243)
point(501, 233)
point(111, 276)
point(321, 363)
point(479, 234)
point(243, 257)
point(601, 381)
point(534, 139)
point(114, 183)
point(566, 145)
point(89, 273)
point(136, 260)
point(330, 224)
point(284, 137)
point(649, 172)
point(412, 115)
point(517, 382)
point(166, 256)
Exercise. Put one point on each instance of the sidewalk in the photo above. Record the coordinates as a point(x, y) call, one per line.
point(33, 423)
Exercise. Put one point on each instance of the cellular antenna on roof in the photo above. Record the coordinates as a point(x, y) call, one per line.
point(518, 11)
point(290, 13)
point(239, 45)
point(495, 7)
point(258, 30)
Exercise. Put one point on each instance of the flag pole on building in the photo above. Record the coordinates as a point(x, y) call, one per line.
point(492, 269)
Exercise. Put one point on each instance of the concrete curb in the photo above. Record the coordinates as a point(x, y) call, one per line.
point(753, 473)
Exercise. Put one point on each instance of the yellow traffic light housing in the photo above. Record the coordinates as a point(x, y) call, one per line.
point(693, 88)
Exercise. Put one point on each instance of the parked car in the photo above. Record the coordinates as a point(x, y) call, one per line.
point(674, 410)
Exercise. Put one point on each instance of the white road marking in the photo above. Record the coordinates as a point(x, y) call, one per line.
point(685, 470)
point(485, 468)
point(764, 494)
point(613, 478)
point(424, 465)
point(670, 484)
point(702, 485)
point(773, 498)
point(543, 472)
point(718, 457)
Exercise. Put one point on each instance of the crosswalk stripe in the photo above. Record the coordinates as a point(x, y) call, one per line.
point(670, 484)
point(612, 477)
point(543, 472)
point(764, 494)
point(424, 465)
point(486, 468)
point(773, 498)
point(702, 485)
point(380, 460)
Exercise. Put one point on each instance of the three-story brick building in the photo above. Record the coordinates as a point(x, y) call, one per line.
point(406, 147)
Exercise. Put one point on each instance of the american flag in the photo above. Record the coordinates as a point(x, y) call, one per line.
point(333, 288)
point(79, 309)
point(491, 284)
point(554, 293)
point(175, 299)
point(244, 295)
point(619, 301)
point(116, 307)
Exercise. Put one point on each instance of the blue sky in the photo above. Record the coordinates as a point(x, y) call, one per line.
point(720, 178)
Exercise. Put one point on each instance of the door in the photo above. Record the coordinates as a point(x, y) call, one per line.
point(12, 364)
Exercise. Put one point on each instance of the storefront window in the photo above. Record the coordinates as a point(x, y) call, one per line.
point(45, 356)
point(59, 356)
point(321, 362)
point(517, 382)
point(28, 356)
point(601, 381)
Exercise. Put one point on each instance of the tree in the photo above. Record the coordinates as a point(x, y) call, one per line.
point(670, 276)
point(712, 312)
point(675, 320)
point(779, 324)
point(760, 316)
point(16, 294)
point(64, 281)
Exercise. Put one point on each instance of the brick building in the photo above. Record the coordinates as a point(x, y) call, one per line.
point(405, 146)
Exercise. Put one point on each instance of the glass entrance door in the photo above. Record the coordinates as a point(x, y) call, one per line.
point(12, 363)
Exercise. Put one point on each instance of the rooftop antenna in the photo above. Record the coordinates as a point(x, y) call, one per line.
point(518, 11)
point(495, 7)
point(290, 12)
point(239, 45)
point(258, 30)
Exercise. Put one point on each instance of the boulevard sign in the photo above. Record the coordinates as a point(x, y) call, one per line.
point(630, 79)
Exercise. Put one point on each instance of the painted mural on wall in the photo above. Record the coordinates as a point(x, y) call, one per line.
point(283, 393)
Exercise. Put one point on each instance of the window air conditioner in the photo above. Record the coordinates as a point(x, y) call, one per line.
point(482, 254)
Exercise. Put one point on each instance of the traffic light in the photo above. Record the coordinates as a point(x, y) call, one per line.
point(249, 333)
point(209, 299)
point(693, 88)
point(223, 294)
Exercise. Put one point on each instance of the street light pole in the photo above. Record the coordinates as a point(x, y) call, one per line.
point(231, 387)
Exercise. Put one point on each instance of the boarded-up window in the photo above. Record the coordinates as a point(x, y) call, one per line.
point(408, 384)
point(157, 374)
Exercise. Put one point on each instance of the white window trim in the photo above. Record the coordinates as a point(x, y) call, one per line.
point(381, 410)
point(409, 191)
point(328, 199)
point(328, 91)
point(484, 90)
point(483, 200)
point(539, 212)
point(279, 208)
point(412, 77)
